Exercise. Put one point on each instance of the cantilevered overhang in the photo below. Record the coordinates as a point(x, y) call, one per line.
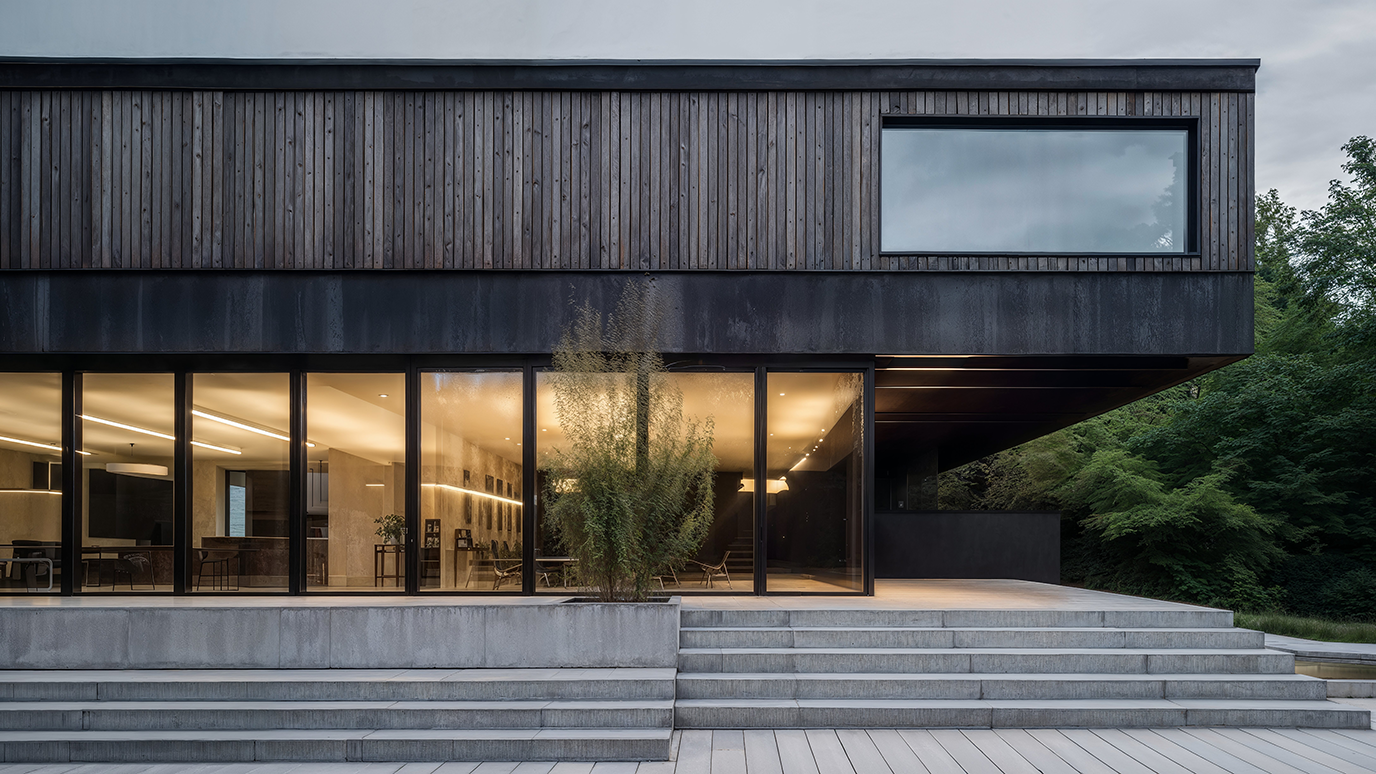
point(964, 408)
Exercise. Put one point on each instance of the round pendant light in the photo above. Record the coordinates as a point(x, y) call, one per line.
point(136, 469)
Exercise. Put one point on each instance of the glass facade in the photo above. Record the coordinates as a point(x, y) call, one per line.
point(127, 426)
point(240, 482)
point(814, 479)
point(1034, 190)
point(726, 561)
point(30, 481)
point(355, 500)
point(210, 482)
point(471, 480)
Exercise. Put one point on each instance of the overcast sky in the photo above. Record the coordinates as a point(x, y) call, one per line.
point(1316, 88)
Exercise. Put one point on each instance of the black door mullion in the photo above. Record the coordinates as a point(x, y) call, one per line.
point(181, 481)
point(761, 495)
point(72, 567)
point(412, 475)
point(296, 465)
point(528, 493)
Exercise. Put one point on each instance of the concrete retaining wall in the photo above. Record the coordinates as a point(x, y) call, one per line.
point(376, 635)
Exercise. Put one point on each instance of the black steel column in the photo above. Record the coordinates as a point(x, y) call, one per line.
point(296, 521)
point(72, 567)
point(867, 483)
point(412, 475)
point(181, 481)
point(528, 493)
point(761, 471)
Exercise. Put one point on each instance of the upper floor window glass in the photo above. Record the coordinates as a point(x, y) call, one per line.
point(948, 189)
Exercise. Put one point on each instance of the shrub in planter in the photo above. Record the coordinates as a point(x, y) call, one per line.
point(629, 492)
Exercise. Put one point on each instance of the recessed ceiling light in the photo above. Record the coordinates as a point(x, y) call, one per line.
point(781, 395)
point(375, 485)
point(382, 394)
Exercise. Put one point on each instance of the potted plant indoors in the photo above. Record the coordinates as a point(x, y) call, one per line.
point(390, 528)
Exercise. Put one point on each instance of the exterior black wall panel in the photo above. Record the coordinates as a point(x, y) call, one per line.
point(715, 312)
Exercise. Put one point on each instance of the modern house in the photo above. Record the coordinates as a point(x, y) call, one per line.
point(279, 327)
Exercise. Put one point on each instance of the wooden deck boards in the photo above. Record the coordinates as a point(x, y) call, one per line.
point(906, 751)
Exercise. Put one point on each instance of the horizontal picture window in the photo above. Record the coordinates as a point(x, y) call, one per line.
point(1025, 189)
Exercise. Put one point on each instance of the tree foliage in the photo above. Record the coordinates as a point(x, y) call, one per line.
point(629, 492)
point(1254, 486)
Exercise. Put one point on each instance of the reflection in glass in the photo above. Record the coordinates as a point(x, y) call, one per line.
point(1034, 190)
point(30, 482)
point(355, 481)
point(127, 421)
point(470, 497)
point(814, 480)
point(240, 481)
point(725, 562)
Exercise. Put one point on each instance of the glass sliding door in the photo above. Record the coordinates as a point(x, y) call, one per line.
point(30, 482)
point(815, 482)
point(240, 482)
point(127, 425)
point(355, 482)
point(471, 478)
point(726, 560)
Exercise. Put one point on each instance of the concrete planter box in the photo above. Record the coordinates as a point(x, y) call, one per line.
point(372, 634)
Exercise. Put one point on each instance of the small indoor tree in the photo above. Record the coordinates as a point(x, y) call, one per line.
point(629, 491)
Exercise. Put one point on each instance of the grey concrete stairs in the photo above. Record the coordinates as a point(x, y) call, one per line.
point(989, 668)
point(336, 715)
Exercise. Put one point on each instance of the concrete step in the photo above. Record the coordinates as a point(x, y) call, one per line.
point(923, 637)
point(986, 660)
point(1188, 618)
point(513, 744)
point(335, 684)
point(241, 715)
point(708, 685)
point(1043, 713)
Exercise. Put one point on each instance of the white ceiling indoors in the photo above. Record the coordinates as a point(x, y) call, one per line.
point(349, 412)
point(30, 410)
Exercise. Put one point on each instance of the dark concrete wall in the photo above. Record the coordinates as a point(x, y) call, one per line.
point(968, 544)
point(814, 313)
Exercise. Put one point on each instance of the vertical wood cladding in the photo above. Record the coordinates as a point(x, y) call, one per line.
point(522, 179)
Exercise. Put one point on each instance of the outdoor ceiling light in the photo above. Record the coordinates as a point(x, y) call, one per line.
point(475, 493)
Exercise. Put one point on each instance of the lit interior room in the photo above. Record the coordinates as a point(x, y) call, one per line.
point(814, 532)
point(726, 560)
point(471, 481)
point(30, 481)
point(355, 481)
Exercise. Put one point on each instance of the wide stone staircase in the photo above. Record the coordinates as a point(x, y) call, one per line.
point(336, 715)
point(818, 668)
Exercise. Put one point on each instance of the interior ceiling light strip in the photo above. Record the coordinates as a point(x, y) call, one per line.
point(39, 445)
point(214, 447)
point(242, 426)
point(475, 493)
point(39, 491)
point(123, 426)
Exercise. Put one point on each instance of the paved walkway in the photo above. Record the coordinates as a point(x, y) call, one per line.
point(886, 751)
point(1317, 650)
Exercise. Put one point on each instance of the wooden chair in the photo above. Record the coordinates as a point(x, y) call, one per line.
point(712, 571)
